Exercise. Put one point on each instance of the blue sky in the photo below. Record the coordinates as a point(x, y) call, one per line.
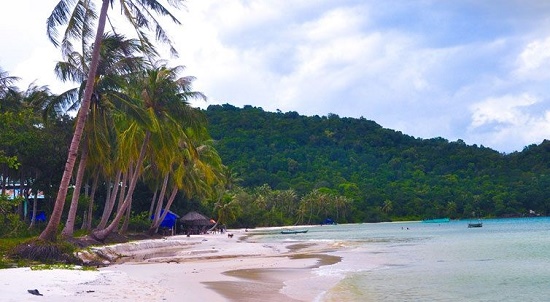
point(463, 69)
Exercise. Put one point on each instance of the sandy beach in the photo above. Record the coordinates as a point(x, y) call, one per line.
point(208, 267)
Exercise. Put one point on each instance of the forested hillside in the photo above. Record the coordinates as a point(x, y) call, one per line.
point(386, 174)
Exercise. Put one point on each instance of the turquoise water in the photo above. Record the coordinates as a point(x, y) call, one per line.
point(505, 260)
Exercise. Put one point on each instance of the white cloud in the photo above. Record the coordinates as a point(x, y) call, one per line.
point(502, 110)
point(509, 120)
point(534, 61)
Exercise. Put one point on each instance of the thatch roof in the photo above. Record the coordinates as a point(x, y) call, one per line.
point(195, 219)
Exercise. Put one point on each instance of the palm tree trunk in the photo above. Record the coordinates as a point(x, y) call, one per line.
point(160, 202)
point(34, 205)
point(153, 202)
point(34, 208)
point(84, 218)
point(91, 205)
point(155, 226)
point(50, 232)
point(126, 222)
point(68, 230)
point(122, 192)
point(110, 202)
point(102, 234)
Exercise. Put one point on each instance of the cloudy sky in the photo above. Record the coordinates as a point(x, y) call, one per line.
point(463, 69)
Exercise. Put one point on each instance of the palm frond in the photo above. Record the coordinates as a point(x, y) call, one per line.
point(59, 16)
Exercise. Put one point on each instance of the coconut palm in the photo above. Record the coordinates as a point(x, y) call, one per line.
point(119, 57)
point(9, 94)
point(6, 83)
point(169, 130)
point(195, 175)
point(140, 14)
point(226, 209)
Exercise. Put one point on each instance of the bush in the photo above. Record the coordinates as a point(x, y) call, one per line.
point(13, 227)
point(139, 222)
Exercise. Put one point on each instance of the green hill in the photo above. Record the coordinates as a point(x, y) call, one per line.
point(387, 174)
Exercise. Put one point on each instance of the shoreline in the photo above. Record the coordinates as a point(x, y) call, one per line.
point(201, 267)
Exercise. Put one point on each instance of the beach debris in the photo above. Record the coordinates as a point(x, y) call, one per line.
point(34, 292)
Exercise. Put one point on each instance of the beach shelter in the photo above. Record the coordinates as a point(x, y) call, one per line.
point(195, 218)
point(195, 223)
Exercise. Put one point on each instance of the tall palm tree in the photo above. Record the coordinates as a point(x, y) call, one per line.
point(140, 14)
point(118, 58)
point(170, 127)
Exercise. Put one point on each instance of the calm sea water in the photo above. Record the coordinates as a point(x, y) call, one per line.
point(505, 260)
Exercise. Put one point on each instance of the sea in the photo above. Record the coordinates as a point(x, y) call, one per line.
point(505, 260)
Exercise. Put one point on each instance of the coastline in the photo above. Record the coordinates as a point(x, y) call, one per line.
point(209, 267)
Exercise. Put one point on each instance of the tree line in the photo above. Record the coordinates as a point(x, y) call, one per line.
point(278, 168)
point(385, 174)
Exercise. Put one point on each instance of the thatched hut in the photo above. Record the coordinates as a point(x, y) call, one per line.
point(195, 223)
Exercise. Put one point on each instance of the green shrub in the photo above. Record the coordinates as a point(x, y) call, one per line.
point(139, 222)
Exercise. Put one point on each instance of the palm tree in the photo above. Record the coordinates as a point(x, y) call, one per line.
point(117, 60)
point(169, 128)
point(6, 83)
point(140, 14)
point(388, 206)
point(9, 94)
point(226, 209)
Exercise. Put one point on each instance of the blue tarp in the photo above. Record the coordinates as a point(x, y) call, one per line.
point(170, 219)
point(40, 217)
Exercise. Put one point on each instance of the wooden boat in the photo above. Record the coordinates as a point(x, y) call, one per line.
point(475, 224)
point(293, 231)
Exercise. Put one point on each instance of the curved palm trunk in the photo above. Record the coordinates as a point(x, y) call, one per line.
point(153, 202)
point(110, 200)
point(68, 230)
point(123, 188)
point(126, 222)
point(160, 202)
point(103, 233)
point(156, 224)
point(49, 233)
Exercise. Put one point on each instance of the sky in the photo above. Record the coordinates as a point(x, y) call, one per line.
point(470, 70)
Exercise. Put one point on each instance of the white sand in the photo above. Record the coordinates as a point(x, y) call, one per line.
point(179, 268)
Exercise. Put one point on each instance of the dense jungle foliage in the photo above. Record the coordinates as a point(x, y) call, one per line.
point(384, 174)
point(286, 169)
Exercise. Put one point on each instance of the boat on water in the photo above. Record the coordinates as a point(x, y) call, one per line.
point(436, 220)
point(475, 224)
point(293, 231)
